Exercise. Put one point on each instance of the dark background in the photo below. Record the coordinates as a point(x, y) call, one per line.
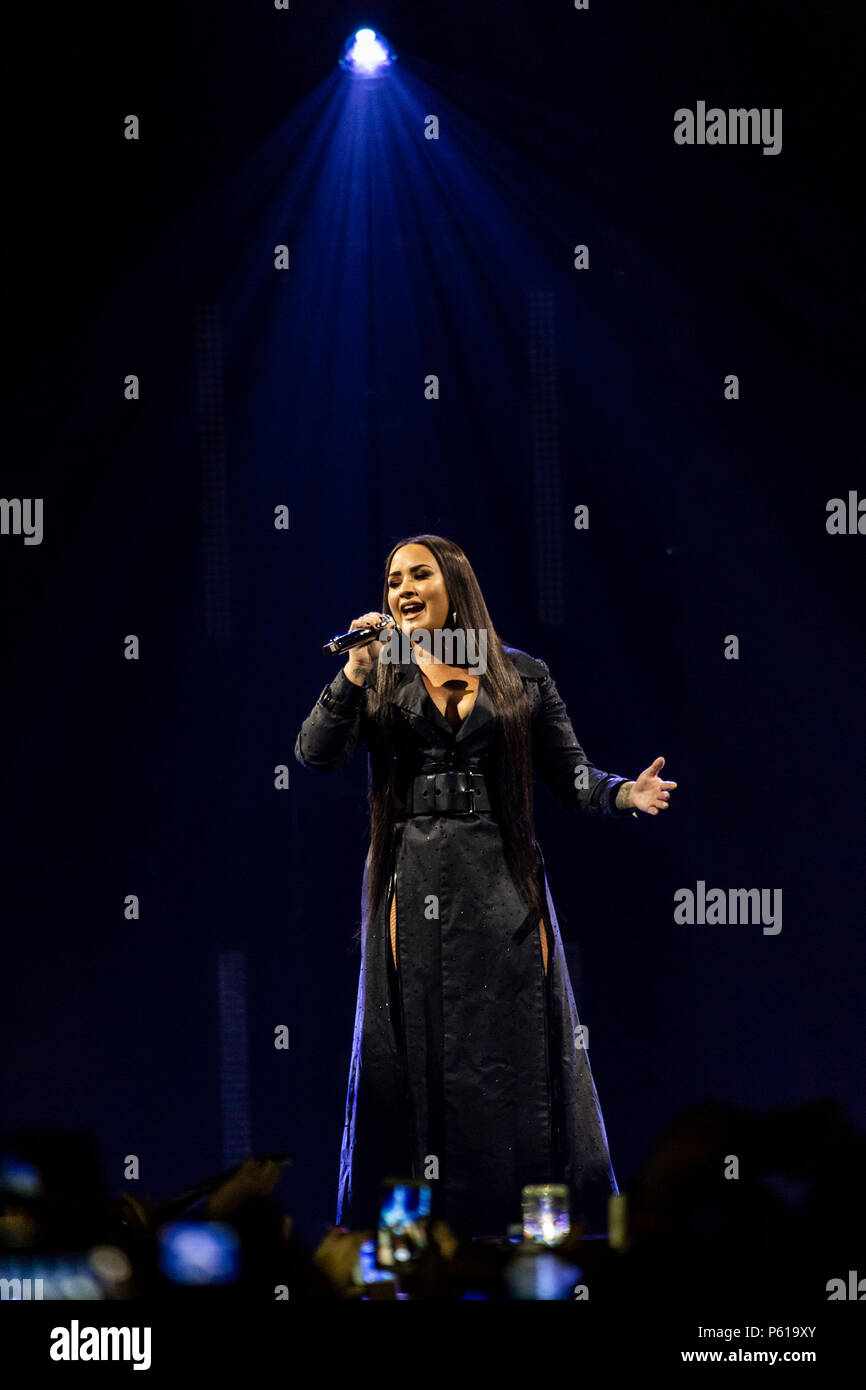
point(605, 387)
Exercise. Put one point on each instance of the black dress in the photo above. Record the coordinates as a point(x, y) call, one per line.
point(467, 1061)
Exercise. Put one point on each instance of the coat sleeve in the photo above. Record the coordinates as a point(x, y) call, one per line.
point(335, 726)
point(561, 762)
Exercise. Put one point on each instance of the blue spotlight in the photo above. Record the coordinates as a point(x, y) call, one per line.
point(367, 54)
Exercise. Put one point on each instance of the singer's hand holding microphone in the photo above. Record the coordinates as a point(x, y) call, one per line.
point(361, 659)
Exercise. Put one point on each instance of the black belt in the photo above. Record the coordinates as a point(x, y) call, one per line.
point(454, 791)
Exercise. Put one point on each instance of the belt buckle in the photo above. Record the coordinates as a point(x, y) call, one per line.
point(443, 783)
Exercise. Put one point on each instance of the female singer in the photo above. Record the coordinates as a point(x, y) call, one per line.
point(468, 1066)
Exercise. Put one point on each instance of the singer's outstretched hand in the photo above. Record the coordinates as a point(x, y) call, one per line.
point(649, 793)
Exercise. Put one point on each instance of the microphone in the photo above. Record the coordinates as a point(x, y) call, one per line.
point(358, 637)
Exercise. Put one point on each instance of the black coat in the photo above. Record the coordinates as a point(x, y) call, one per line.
point(467, 1062)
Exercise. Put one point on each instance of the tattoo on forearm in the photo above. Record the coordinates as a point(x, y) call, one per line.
point(623, 796)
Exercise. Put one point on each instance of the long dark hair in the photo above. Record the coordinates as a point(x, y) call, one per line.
point(509, 778)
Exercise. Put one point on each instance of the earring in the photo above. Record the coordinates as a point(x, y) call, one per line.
point(454, 616)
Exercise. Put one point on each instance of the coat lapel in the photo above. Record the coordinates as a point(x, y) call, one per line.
point(411, 694)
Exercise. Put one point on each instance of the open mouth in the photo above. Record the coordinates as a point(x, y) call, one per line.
point(410, 610)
